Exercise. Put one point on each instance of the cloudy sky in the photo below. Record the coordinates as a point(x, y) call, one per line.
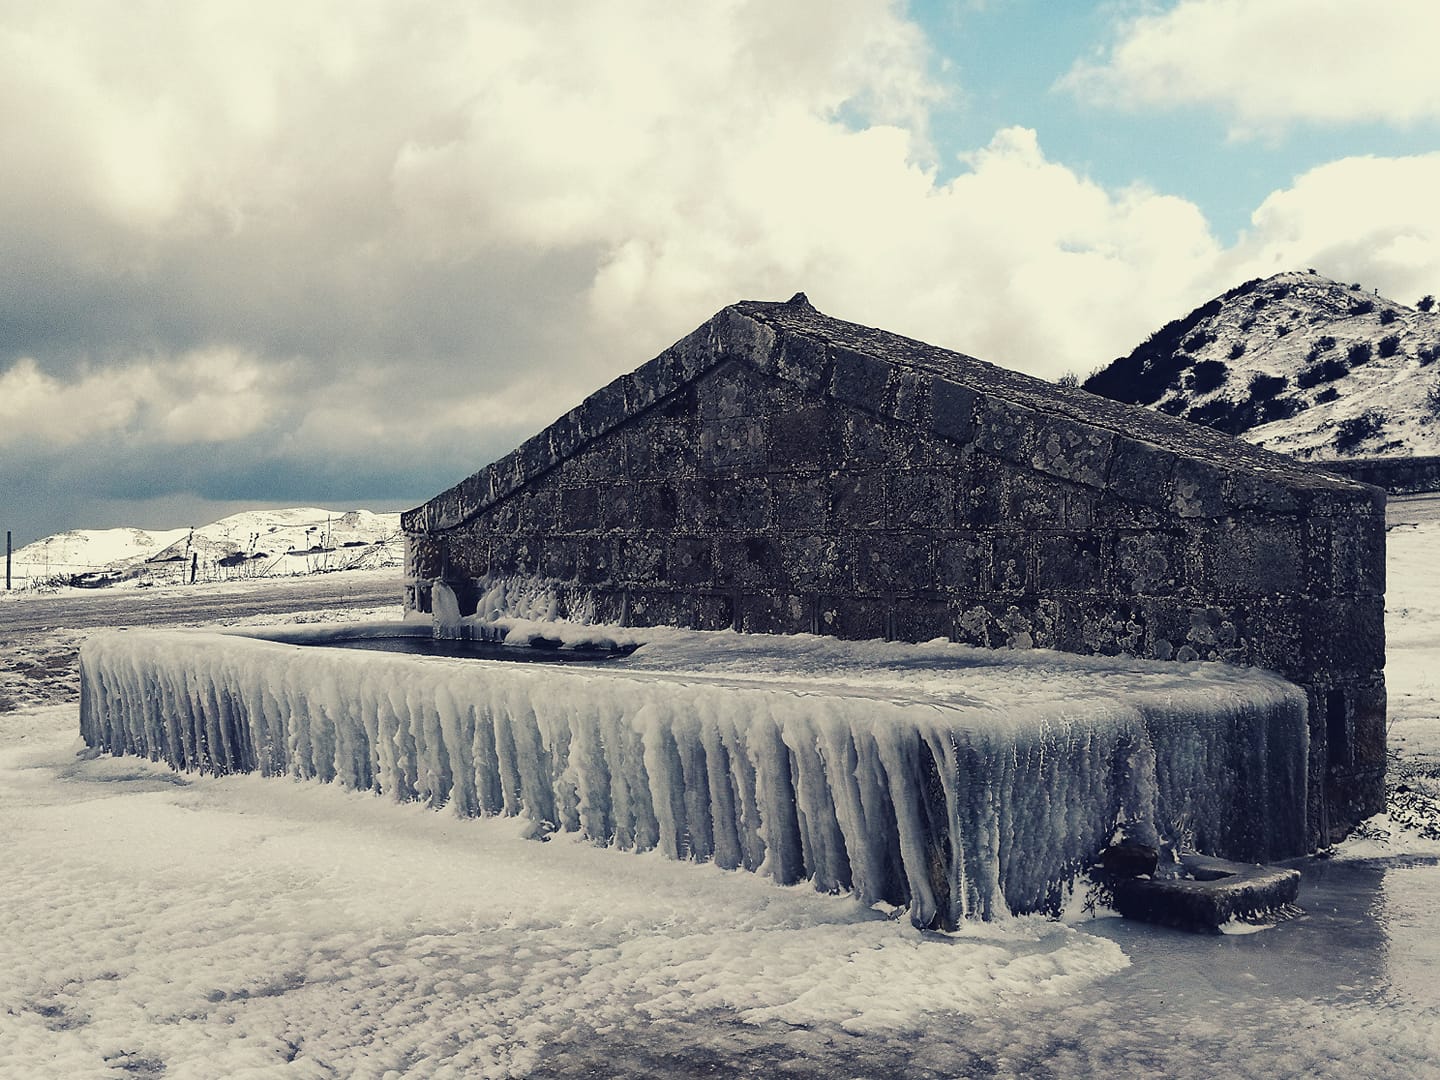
point(339, 253)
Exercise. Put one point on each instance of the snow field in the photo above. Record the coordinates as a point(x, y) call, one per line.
point(242, 926)
point(944, 779)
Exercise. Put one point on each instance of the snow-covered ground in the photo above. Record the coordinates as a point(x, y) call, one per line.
point(189, 926)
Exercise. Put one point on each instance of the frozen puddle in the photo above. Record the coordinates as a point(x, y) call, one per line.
point(958, 783)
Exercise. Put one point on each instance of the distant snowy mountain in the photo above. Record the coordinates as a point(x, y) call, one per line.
point(255, 543)
point(1295, 363)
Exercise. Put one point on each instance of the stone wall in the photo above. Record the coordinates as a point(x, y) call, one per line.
point(1398, 476)
point(781, 472)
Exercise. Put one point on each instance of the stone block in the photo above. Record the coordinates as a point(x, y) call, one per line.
point(773, 613)
point(1367, 719)
point(854, 618)
point(536, 510)
point(1346, 555)
point(961, 562)
point(595, 562)
point(905, 396)
point(1112, 628)
point(616, 503)
point(558, 559)
point(661, 449)
point(1035, 501)
point(952, 410)
point(804, 436)
point(1073, 451)
point(742, 503)
point(982, 494)
point(655, 505)
point(920, 498)
point(579, 509)
point(712, 611)
point(996, 624)
point(816, 562)
point(690, 561)
point(1198, 489)
point(747, 561)
point(735, 336)
point(923, 618)
point(1257, 556)
point(857, 499)
point(640, 560)
point(800, 501)
point(1149, 563)
point(1010, 570)
point(858, 379)
point(1345, 635)
point(736, 443)
point(893, 563)
point(1141, 472)
point(1006, 430)
point(602, 410)
point(731, 391)
point(603, 459)
point(1256, 491)
point(514, 555)
point(800, 361)
point(697, 503)
point(1068, 562)
point(866, 441)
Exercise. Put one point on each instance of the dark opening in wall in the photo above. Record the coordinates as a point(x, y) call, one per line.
point(1337, 729)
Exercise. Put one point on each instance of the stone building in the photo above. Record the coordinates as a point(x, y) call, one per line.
point(780, 471)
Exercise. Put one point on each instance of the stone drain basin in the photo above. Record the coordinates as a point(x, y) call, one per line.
point(1203, 893)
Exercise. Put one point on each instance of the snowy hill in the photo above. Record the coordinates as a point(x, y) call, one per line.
point(255, 543)
point(1295, 363)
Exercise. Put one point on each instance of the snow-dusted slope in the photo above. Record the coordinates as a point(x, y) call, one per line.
point(1296, 363)
point(251, 543)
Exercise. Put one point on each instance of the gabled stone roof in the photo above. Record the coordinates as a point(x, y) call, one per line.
point(1140, 455)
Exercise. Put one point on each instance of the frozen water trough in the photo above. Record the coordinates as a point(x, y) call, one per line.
point(955, 782)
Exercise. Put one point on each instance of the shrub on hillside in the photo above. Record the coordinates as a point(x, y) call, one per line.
point(1279, 408)
point(1224, 415)
point(1327, 370)
point(1388, 316)
point(1197, 341)
point(1208, 375)
point(1426, 302)
point(1428, 355)
point(1354, 430)
point(1266, 386)
point(1282, 330)
point(1237, 350)
point(1328, 394)
point(1390, 345)
point(1359, 353)
point(1365, 307)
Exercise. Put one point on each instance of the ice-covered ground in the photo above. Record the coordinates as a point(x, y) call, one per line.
point(195, 927)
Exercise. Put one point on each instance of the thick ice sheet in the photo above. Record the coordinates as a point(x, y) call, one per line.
point(957, 782)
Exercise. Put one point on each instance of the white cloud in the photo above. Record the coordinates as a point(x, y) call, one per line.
point(1268, 63)
point(208, 396)
point(1367, 219)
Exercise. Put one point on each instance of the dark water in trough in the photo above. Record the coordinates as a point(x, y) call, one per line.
point(1351, 988)
point(543, 653)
